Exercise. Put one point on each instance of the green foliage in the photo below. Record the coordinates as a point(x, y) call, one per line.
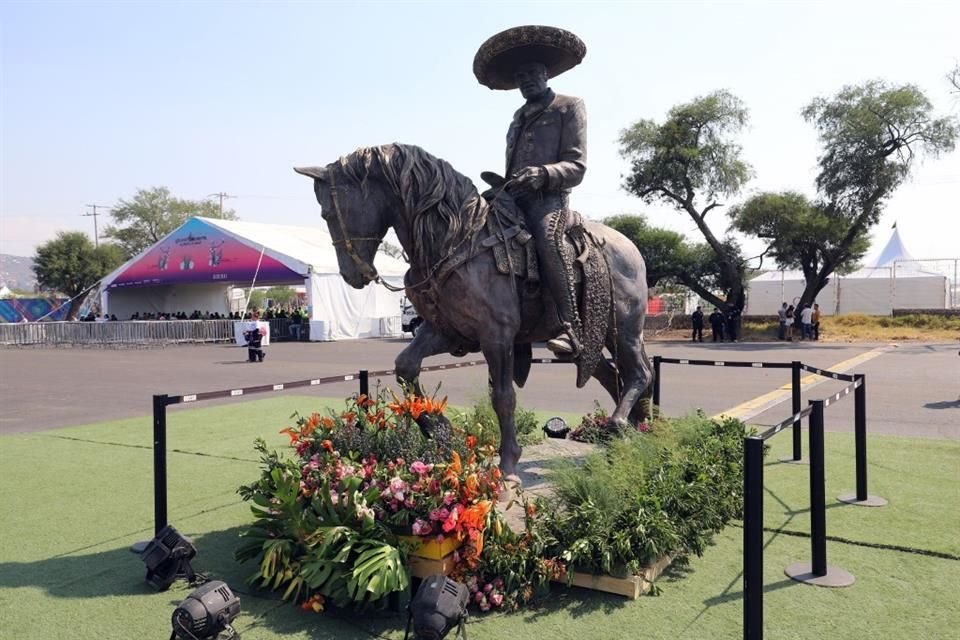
point(800, 234)
point(648, 494)
point(258, 299)
point(690, 158)
point(318, 544)
point(871, 134)
point(282, 295)
point(70, 263)
point(152, 214)
point(689, 153)
point(482, 422)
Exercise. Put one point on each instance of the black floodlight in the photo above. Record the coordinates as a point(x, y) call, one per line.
point(439, 605)
point(168, 557)
point(205, 613)
point(556, 428)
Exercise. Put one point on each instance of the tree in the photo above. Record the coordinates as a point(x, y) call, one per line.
point(71, 264)
point(953, 77)
point(391, 250)
point(152, 214)
point(688, 162)
point(799, 234)
point(671, 258)
point(871, 134)
point(281, 295)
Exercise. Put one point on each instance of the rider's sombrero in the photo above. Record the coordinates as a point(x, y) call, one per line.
point(498, 57)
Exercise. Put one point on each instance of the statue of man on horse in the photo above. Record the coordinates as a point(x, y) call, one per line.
point(546, 153)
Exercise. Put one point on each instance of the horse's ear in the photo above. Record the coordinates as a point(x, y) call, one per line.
point(317, 173)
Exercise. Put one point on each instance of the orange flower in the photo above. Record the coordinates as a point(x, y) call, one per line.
point(326, 444)
point(531, 509)
point(475, 516)
point(294, 436)
point(348, 416)
point(471, 487)
point(471, 442)
point(327, 422)
point(314, 603)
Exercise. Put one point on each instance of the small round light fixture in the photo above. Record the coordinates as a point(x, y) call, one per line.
point(439, 605)
point(556, 428)
point(205, 613)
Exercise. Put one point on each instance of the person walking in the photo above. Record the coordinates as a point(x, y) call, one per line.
point(716, 325)
point(782, 320)
point(697, 320)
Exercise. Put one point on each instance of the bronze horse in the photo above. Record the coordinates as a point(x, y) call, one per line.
point(439, 219)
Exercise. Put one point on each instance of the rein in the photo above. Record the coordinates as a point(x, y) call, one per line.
point(368, 270)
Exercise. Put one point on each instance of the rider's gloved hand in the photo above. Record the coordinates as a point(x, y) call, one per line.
point(529, 179)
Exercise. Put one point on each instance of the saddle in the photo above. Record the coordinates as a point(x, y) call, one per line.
point(516, 255)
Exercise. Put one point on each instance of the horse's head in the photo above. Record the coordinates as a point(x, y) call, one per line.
point(356, 217)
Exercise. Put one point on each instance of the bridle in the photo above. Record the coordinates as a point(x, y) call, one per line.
point(366, 269)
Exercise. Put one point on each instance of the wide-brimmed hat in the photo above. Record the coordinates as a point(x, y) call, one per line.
point(497, 59)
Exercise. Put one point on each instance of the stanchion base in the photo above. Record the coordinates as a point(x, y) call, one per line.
point(871, 501)
point(138, 547)
point(790, 460)
point(803, 572)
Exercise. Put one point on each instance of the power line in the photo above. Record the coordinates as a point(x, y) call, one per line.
point(96, 231)
point(221, 195)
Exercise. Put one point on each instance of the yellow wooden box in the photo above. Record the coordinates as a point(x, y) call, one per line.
point(429, 547)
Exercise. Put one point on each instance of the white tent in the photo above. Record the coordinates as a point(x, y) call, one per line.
point(892, 280)
point(199, 264)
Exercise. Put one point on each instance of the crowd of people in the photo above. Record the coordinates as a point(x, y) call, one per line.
point(296, 315)
point(725, 325)
point(809, 322)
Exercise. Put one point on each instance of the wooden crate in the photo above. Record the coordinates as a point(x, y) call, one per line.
point(632, 586)
point(422, 567)
point(431, 549)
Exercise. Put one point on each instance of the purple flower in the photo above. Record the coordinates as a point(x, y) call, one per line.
point(421, 527)
point(487, 588)
point(478, 597)
point(439, 514)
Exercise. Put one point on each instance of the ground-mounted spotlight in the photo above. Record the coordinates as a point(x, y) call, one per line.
point(168, 557)
point(556, 428)
point(439, 605)
point(205, 613)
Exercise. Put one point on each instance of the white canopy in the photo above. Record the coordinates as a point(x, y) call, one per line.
point(893, 279)
point(198, 264)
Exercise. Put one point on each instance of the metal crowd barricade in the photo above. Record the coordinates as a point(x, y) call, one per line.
point(115, 333)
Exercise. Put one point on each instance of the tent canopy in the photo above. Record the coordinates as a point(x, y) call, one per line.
point(196, 265)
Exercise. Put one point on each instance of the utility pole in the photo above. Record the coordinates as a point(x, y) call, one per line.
point(221, 195)
point(96, 231)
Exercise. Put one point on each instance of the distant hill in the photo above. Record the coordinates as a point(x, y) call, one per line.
point(16, 272)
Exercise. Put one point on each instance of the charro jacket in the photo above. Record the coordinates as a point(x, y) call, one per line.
point(551, 133)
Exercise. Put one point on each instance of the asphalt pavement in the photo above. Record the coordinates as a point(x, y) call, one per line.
point(913, 388)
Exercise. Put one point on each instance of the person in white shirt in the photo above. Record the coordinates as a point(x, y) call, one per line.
point(806, 320)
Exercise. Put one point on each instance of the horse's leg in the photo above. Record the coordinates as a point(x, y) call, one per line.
point(634, 371)
point(499, 357)
point(639, 412)
point(427, 342)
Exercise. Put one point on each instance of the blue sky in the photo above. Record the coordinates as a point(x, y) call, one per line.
point(100, 99)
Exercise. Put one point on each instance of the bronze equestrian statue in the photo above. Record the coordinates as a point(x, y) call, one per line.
point(475, 276)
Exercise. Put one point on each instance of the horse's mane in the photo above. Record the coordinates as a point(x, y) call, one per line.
point(441, 206)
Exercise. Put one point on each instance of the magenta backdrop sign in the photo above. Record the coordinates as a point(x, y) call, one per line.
point(197, 253)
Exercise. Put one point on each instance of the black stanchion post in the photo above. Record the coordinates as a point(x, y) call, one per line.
point(860, 434)
point(159, 462)
point(752, 538)
point(656, 381)
point(795, 388)
point(818, 508)
point(364, 383)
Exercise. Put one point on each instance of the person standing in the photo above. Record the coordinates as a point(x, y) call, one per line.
point(697, 320)
point(782, 320)
point(806, 323)
point(716, 325)
point(790, 312)
point(546, 152)
point(815, 321)
point(254, 338)
point(733, 319)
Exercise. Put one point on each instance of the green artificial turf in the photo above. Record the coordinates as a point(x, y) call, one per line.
point(73, 500)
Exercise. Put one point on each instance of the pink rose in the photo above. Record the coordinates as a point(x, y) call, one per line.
point(420, 468)
point(421, 527)
point(449, 497)
point(487, 588)
point(439, 514)
point(496, 599)
point(397, 484)
point(478, 597)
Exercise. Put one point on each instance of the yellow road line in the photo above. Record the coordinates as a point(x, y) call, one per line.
point(758, 405)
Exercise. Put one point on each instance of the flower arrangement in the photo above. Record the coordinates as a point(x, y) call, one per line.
point(371, 467)
point(599, 428)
